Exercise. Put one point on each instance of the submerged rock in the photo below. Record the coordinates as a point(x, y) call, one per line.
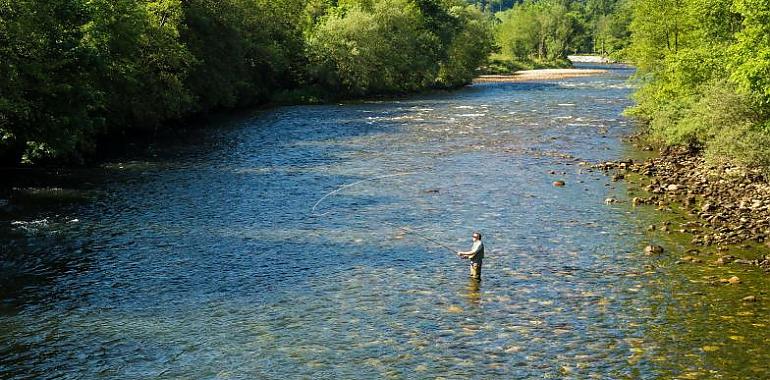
point(653, 249)
point(559, 183)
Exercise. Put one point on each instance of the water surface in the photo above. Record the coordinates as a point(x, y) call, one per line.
point(206, 259)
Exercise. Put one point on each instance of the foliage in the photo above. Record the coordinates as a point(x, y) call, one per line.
point(74, 71)
point(469, 48)
point(379, 50)
point(703, 68)
point(544, 32)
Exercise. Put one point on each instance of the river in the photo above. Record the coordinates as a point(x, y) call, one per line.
point(206, 259)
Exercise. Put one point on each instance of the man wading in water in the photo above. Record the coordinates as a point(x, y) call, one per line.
point(475, 255)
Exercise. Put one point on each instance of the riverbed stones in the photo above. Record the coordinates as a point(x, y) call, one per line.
point(727, 259)
point(559, 183)
point(730, 204)
point(749, 299)
point(690, 259)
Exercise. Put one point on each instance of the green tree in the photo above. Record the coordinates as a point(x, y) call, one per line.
point(470, 47)
point(386, 49)
point(46, 92)
point(703, 69)
point(543, 31)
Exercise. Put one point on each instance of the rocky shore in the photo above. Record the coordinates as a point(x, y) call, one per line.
point(730, 205)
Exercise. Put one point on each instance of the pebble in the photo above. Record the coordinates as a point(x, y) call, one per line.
point(653, 249)
point(731, 203)
point(455, 309)
point(749, 299)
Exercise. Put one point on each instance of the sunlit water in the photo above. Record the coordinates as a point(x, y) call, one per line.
point(206, 260)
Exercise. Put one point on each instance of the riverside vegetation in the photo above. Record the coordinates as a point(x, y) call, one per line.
point(77, 74)
point(704, 71)
point(75, 70)
point(704, 100)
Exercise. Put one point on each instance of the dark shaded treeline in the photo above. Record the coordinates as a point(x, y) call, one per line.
point(75, 71)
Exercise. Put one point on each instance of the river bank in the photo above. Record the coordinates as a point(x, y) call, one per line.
point(538, 75)
point(729, 205)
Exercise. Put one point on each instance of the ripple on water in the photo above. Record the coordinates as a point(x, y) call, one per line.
point(205, 261)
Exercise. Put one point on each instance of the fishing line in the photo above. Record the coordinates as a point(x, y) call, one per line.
point(313, 212)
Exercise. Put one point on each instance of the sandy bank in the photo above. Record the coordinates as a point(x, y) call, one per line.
point(538, 75)
point(588, 59)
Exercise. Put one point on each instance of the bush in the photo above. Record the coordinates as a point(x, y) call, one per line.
point(703, 68)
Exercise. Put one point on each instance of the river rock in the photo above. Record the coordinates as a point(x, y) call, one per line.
point(673, 188)
point(610, 201)
point(734, 280)
point(653, 250)
point(749, 299)
point(559, 183)
point(725, 260)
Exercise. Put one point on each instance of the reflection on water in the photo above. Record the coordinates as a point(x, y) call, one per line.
point(205, 260)
point(474, 292)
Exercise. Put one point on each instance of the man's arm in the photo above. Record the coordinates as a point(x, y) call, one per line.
point(472, 253)
point(469, 254)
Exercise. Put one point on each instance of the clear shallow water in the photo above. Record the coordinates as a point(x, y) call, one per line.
point(204, 260)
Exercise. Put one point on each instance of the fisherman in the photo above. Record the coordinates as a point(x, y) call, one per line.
point(475, 255)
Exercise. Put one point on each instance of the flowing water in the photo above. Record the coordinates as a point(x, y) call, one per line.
point(214, 259)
